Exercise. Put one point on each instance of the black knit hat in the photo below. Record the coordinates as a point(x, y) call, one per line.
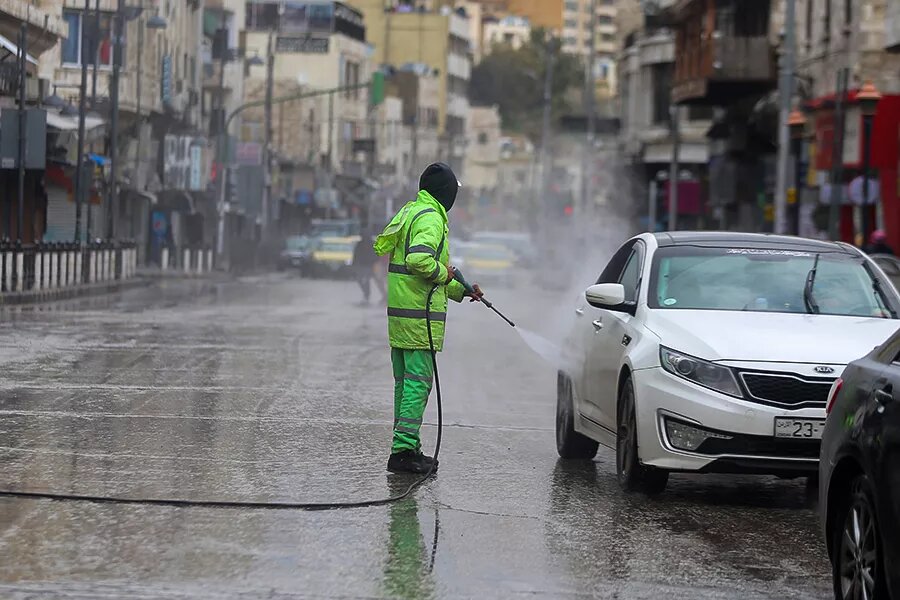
point(440, 181)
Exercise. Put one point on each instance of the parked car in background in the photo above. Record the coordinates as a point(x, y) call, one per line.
point(333, 257)
point(519, 243)
point(890, 265)
point(715, 352)
point(296, 254)
point(859, 481)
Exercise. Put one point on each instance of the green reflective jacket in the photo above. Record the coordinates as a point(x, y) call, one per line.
point(416, 239)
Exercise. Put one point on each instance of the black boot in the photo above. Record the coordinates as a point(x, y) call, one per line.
point(408, 461)
point(428, 460)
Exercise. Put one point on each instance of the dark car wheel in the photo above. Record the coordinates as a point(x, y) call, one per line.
point(857, 561)
point(632, 475)
point(570, 443)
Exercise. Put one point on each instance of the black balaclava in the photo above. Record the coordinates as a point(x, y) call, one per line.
point(440, 181)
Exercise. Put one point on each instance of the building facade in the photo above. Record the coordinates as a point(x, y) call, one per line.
point(159, 95)
point(437, 37)
point(417, 87)
point(482, 164)
point(509, 32)
point(43, 28)
point(646, 139)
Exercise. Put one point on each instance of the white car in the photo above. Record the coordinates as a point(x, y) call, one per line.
point(715, 352)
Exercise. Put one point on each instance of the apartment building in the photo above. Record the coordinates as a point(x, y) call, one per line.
point(160, 82)
point(437, 37)
point(510, 31)
point(43, 29)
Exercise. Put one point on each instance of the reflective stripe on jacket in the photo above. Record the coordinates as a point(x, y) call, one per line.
point(416, 239)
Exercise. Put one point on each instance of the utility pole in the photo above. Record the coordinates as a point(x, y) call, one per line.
point(590, 92)
point(786, 95)
point(137, 115)
point(267, 144)
point(82, 96)
point(330, 145)
point(674, 114)
point(23, 65)
point(118, 49)
point(221, 141)
point(95, 48)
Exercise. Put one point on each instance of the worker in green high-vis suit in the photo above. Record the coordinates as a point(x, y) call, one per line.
point(416, 239)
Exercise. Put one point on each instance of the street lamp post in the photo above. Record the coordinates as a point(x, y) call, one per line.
point(222, 140)
point(797, 125)
point(868, 98)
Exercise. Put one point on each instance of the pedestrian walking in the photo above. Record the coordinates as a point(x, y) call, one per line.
point(416, 240)
point(364, 266)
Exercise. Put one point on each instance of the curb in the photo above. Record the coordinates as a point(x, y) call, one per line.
point(79, 291)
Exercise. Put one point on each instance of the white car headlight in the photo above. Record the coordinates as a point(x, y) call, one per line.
point(701, 372)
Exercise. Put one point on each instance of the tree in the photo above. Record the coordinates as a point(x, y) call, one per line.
point(514, 81)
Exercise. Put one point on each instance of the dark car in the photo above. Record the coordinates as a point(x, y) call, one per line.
point(859, 472)
point(297, 254)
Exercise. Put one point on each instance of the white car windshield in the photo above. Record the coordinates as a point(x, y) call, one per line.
point(765, 280)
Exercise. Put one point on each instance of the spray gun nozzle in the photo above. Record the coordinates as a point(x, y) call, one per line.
point(458, 276)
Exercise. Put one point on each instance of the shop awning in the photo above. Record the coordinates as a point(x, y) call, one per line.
point(60, 122)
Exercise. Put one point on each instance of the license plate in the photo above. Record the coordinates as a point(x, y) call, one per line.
point(803, 429)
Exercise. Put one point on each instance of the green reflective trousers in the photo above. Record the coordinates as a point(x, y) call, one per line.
point(413, 374)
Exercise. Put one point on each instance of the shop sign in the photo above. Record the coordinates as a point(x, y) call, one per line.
point(183, 167)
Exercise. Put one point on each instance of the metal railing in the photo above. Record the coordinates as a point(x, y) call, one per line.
point(48, 266)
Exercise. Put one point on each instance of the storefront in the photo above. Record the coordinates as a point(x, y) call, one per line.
point(883, 207)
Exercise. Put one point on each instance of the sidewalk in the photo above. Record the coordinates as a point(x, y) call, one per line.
point(75, 291)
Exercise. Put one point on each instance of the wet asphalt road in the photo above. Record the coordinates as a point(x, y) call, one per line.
point(273, 388)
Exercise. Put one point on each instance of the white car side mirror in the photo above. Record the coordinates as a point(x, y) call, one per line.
point(610, 296)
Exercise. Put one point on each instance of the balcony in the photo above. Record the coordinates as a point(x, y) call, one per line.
point(722, 51)
point(45, 27)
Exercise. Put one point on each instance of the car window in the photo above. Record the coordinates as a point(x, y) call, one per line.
point(631, 276)
point(613, 271)
point(764, 280)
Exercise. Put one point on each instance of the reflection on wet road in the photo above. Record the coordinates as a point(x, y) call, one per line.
point(280, 389)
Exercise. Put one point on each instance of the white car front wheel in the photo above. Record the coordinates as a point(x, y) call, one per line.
point(632, 475)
